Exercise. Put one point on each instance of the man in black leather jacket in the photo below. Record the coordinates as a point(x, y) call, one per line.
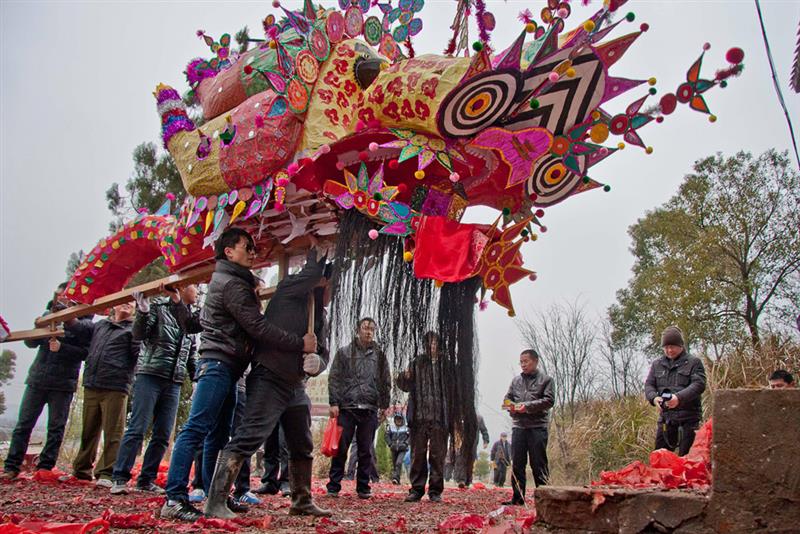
point(359, 385)
point(52, 381)
point(276, 392)
point(166, 359)
point(529, 400)
point(232, 322)
point(680, 378)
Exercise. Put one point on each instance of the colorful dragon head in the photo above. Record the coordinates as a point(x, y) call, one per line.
point(328, 114)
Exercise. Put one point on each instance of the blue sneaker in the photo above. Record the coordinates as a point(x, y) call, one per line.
point(197, 495)
point(248, 498)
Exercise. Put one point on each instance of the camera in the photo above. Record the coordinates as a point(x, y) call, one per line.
point(666, 395)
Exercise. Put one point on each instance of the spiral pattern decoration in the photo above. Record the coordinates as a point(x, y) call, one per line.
point(478, 103)
point(551, 181)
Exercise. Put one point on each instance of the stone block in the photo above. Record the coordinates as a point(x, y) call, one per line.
point(755, 461)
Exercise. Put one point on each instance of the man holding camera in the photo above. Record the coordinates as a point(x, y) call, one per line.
point(674, 384)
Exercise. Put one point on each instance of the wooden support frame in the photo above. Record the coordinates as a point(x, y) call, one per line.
point(36, 333)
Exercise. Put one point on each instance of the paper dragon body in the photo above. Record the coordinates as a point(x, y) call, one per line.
point(327, 114)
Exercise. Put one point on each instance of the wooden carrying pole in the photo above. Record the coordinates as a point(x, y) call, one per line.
point(46, 325)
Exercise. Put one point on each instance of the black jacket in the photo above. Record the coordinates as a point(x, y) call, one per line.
point(397, 438)
point(535, 392)
point(167, 351)
point(58, 371)
point(232, 320)
point(501, 453)
point(359, 378)
point(684, 376)
point(288, 310)
point(424, 380)
point(112, 354)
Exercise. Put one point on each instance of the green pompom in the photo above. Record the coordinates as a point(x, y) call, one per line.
point(723, 84)
point(378, 197)
point(524, 233)
point(586, 179)
point(652, 90)
point(606, 188)
point(534, 103)
point(630, 17)
point(506, 212)
point(477, 46)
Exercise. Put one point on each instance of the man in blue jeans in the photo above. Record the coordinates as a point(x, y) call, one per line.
point(231, 321)
point(166, 358)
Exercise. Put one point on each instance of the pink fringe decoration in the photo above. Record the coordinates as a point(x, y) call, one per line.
point(525, 16)
point(480, 10)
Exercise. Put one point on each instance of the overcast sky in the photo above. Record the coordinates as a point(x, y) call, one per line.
point(76, 82)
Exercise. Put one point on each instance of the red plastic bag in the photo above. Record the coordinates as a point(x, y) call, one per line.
point(330, 440)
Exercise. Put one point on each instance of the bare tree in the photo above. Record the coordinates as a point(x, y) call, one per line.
point(564, 337)
point(624, 363)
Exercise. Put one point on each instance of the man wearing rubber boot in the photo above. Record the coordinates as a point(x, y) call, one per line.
point(231, 322)
point(276, 393)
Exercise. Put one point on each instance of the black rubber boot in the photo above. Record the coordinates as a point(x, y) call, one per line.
point(228, 465)
point(300, 483)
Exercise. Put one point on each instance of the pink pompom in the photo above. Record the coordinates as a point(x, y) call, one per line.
point(276, 4)
point(373, 234)
point(171, 196)
point(283, 182)
point(325, 149)
point(735, 55)
point(360, 125)
point(543, 229)
point(340, 165)
point(293, 168)
point(363, 156)
point(454, 177)
point(563, 13)
point(553, 77)
point(604, 151)
point(540, 212)
point(644, 27)
point(532, 277)
point(373, 147)
point(706, 46)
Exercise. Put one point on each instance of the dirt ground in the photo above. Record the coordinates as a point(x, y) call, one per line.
point(28, 503)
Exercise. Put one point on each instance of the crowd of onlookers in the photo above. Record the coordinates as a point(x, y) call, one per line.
point(249, 374)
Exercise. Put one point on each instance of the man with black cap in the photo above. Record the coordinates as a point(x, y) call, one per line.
point(675, 383)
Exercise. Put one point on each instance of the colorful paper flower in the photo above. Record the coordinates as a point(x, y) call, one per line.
point(426, 149)
point(404, 14)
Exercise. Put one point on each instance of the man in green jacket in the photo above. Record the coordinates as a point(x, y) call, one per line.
point(166, 359)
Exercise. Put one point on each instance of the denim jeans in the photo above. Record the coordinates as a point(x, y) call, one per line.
point(155, 400)
point(33, 402)
point(209, 424)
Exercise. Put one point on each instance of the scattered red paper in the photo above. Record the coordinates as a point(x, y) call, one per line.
point(478, 486)
point(142, 520)
point(462, 523)
point(96, 526)
point(666, 469)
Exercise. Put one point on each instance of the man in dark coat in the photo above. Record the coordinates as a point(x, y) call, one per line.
point(424, 380)
point(107, 379)
point(529, 400)
point(231, 321)
point(52, 381)
point(166, 359)
point(675, 383)
point(276, 392)
point(359, 385)
point(397, 438)
point(501, 459)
